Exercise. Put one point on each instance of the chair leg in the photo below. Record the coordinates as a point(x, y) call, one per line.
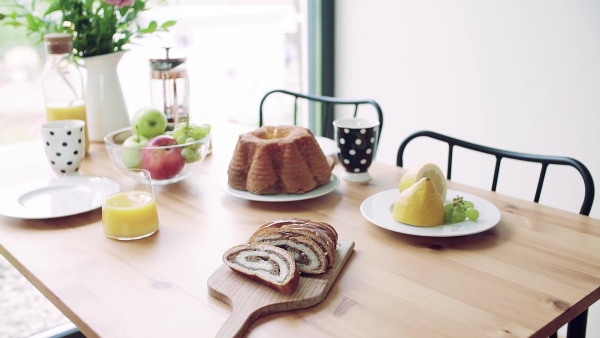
point(577, 327)
point(554, 335)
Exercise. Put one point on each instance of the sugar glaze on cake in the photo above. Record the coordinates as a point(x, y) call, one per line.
point(278, 160)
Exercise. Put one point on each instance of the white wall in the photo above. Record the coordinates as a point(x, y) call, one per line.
point(518, 75)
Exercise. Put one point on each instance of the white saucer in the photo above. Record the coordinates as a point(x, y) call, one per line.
point(378, 210)
point(327, 145)
point(320, 191)
point(57, 197)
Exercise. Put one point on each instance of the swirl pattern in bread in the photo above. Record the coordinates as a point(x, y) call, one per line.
point(267, 264)
point(312, 244)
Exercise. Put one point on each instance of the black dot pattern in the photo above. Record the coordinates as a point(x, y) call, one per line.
point(64, 149)
point(356, 148)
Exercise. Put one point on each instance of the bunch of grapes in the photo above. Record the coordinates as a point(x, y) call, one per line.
point(459, 210)
point(188, 133)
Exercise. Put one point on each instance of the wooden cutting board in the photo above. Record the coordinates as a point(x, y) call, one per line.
point(251, 300)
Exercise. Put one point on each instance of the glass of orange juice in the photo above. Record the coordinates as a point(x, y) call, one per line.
point(129, 208)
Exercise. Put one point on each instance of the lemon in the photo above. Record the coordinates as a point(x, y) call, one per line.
point(429, 170)
point(420, 205)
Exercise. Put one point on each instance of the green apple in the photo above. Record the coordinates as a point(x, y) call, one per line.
point(149, 122)
point(131, 153)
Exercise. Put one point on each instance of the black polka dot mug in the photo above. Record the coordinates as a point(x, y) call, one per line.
point(356, 140)
point(64, 144)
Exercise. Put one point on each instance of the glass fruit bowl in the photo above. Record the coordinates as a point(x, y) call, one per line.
point(167, 161)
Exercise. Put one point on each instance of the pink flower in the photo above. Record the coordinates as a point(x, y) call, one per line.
point(120, 3)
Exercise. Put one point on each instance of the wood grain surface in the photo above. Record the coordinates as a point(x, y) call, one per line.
point(526, 277)
point(250, 299)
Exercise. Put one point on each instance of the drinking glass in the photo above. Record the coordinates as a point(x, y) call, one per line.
point(64, 144)
point(356, 139)
point(129, 208)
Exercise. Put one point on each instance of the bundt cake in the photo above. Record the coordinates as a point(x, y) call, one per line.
point(278, 160)
point(313, 244)
point(264, 263)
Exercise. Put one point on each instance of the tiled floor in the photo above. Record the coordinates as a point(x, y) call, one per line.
point(24, 311)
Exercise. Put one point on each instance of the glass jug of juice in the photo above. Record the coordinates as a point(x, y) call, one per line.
point(62, 82)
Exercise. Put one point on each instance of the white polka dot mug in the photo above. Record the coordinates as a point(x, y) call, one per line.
point(64, 144)
point(356, 140)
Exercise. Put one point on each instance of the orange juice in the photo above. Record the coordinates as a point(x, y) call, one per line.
point(129, 215)
point(69, 110)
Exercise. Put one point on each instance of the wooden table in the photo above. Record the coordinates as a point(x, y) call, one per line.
point(529, 275)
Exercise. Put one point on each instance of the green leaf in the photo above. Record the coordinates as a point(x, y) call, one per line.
point(13, 23)
point(33, 25)
point(54, 6)
point(150, 29)
point(166, 25)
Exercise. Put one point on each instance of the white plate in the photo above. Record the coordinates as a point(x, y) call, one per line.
point(327, 145)
point(320, 191)
point(378, 210)
point(57, 197)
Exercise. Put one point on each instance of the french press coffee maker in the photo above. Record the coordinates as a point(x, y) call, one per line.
point(169, 86)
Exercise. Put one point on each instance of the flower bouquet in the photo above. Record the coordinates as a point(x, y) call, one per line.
point(98, 26)
point(100, 29)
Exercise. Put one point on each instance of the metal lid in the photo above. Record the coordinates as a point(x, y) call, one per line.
point(167, 61)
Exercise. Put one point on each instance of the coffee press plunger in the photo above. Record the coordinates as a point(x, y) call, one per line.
point(170, 86)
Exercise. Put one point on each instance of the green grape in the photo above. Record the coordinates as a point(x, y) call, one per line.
point(198, 133)
point(472, 213)
point(460, 210)
point(206, 128)
point(188, 154)
point(458, 216)
point(447, 216)
point(181, 139)
point(189, 139)
point(194, 146)
point(177, 133)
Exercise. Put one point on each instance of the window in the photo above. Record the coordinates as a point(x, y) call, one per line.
point(236, 52)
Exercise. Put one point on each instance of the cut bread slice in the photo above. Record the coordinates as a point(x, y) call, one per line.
point(313, 244)
point(267, 264)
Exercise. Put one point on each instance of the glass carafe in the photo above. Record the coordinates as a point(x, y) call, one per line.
point(62, 82)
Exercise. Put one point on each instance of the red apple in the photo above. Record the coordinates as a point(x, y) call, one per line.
point(162, 163)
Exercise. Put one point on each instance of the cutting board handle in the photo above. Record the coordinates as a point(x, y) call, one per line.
point(238, 322)
point(250, 300)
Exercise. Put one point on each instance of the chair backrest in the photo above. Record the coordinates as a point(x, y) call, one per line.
point(499, 154)
point(328, 104)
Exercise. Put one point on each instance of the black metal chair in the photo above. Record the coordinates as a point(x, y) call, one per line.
point(328, 104)
point(577, 327)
